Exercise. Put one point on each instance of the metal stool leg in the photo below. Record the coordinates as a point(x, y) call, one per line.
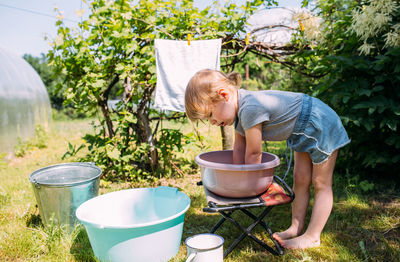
point(237, 240)
point(268, 229)
point(246, 231)
point(226, 210)
point(220, 222)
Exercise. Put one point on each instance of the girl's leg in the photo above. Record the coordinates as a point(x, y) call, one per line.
point(322, 183)
point(302, 181)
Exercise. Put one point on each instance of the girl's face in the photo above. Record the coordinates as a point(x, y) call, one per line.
point(223, 112)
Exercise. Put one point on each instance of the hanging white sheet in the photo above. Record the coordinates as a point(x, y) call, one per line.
point(176, 63)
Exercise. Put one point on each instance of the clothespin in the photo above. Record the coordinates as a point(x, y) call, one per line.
point(301, 25)
point(189, 37)
point(247, 38)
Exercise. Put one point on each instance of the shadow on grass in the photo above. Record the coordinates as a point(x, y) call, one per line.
point(360, 228)
point(198, 222)
point(81, 248)
point(34, 221)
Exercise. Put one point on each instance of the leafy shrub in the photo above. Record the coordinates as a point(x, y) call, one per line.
point(122, 158)
point(38, 141)
point(362, 87)
point(365, 93)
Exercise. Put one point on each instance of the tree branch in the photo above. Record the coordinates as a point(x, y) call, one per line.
point(102, 102)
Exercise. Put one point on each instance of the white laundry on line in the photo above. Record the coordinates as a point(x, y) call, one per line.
point(176, 63)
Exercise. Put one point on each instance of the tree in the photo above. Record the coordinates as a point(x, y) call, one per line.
point(113, 49)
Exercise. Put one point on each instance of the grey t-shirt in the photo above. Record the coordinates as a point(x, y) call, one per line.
point(276, 110)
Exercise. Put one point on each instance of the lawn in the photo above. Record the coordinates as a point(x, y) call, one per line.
point(362, 227)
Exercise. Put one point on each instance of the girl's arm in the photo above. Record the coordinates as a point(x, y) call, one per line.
point(239, 148)
point(253, 145)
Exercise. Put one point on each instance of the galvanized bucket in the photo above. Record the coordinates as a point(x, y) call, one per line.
point(61, 189)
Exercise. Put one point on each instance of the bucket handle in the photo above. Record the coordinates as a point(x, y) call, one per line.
point(191, 257)
point(37, 185)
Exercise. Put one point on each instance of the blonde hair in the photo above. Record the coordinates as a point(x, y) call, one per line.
point(202, 91)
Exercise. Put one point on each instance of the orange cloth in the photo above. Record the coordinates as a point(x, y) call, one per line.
point(275, 195)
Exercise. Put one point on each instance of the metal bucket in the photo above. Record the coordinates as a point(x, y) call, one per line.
point(61, 189)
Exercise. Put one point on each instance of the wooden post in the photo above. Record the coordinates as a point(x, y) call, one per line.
point(247, 76)
point(227, 137)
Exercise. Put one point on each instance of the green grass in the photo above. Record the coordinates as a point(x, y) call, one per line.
point(360, 228)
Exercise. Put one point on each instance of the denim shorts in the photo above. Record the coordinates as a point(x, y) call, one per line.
point(318, 130)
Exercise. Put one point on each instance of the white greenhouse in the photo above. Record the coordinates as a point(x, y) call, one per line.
point(24, 102)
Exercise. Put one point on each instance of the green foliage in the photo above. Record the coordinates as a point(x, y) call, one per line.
point(54, 82)
point(122, 159)
point(365, 93)
point(263, 74)
point(355, 184)
point(112, 52)
point(50, 80)
point(72, 150)
point(171, 142)
point(362, 89)
point(38, 141)
point(366, 186)
point(66, 113)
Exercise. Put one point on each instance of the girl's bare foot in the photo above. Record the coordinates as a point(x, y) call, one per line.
point(289, 233)
point(301, 242)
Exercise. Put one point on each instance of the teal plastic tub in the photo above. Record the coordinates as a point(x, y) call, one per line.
point(142, 224)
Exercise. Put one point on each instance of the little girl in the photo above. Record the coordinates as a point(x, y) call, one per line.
point(312, 129)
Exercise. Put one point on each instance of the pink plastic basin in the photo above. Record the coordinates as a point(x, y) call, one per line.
point(223, 178)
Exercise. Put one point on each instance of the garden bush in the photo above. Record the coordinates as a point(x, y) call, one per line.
point(360, 79)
